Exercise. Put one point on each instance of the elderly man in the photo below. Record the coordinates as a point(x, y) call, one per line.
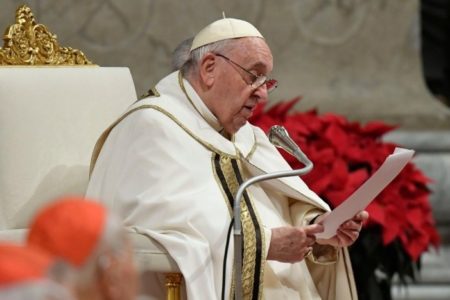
point(93, 241)
point(173, 162)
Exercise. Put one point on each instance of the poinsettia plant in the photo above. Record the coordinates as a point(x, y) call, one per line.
point(345, 154)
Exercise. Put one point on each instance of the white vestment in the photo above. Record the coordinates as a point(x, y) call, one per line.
point(171, 175)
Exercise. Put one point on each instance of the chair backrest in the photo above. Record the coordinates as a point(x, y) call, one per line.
point(54, 105)
point(50, 119)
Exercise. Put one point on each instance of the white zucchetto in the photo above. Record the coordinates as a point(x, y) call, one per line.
point(224, 29)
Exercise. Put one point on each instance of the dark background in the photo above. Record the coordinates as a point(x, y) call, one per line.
point(435, 19)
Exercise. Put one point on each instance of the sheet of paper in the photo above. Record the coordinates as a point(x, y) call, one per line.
point(361, 198)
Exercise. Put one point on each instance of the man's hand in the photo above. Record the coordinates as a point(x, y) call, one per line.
point(347, 233)
point(291, 244)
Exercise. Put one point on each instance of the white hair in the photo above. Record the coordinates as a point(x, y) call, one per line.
point(181, 54)
point(190, 65)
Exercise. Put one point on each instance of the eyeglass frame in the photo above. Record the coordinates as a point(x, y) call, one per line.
point(258, 80)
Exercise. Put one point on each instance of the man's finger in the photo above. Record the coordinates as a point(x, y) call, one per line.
point(313, 229)
point(352, 225)
point(361, 216)
point(350, 236)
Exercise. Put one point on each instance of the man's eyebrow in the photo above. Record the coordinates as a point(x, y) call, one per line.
point(258, 65)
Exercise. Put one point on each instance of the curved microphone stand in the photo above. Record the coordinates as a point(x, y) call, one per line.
point(279, 137)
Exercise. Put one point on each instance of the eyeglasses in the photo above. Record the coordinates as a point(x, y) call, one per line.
point(257, 80)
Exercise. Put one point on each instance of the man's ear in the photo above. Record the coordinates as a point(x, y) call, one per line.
point(207, 69)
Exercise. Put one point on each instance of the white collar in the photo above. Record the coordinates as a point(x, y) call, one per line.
point(178, 104)
point(199, 105)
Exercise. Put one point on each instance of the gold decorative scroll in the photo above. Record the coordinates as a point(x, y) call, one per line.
point(29, 43)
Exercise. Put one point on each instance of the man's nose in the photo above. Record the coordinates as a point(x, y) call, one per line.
point(261, 93)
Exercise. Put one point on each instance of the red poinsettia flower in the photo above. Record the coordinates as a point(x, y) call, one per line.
point(345, 154)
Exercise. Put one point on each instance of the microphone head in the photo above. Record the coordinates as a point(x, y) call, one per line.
point(279, 137)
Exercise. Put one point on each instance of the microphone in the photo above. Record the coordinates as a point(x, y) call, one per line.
point(279, 137)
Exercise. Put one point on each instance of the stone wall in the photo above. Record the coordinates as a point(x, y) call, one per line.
point(357, 58)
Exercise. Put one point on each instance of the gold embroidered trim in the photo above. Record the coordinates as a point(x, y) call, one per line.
point(29, 43)
point(230, 211)
point(181, 84)
point(252, 151)
point(100, 142)
point(153, 92)
point(183, 89)
point(205, 144)
point(216, 177)
point(263, 240)
point(249, 255)
point(249, 231)
point(102, 139)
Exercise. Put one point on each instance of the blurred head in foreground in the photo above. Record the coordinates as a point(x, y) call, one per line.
point(27, 273)
point(86, 235)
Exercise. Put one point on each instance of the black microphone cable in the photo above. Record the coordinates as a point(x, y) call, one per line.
point(224, 270)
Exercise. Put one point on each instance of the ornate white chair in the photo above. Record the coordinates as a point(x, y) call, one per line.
point(55, 104)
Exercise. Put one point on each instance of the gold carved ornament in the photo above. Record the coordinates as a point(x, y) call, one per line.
point(29, 43)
